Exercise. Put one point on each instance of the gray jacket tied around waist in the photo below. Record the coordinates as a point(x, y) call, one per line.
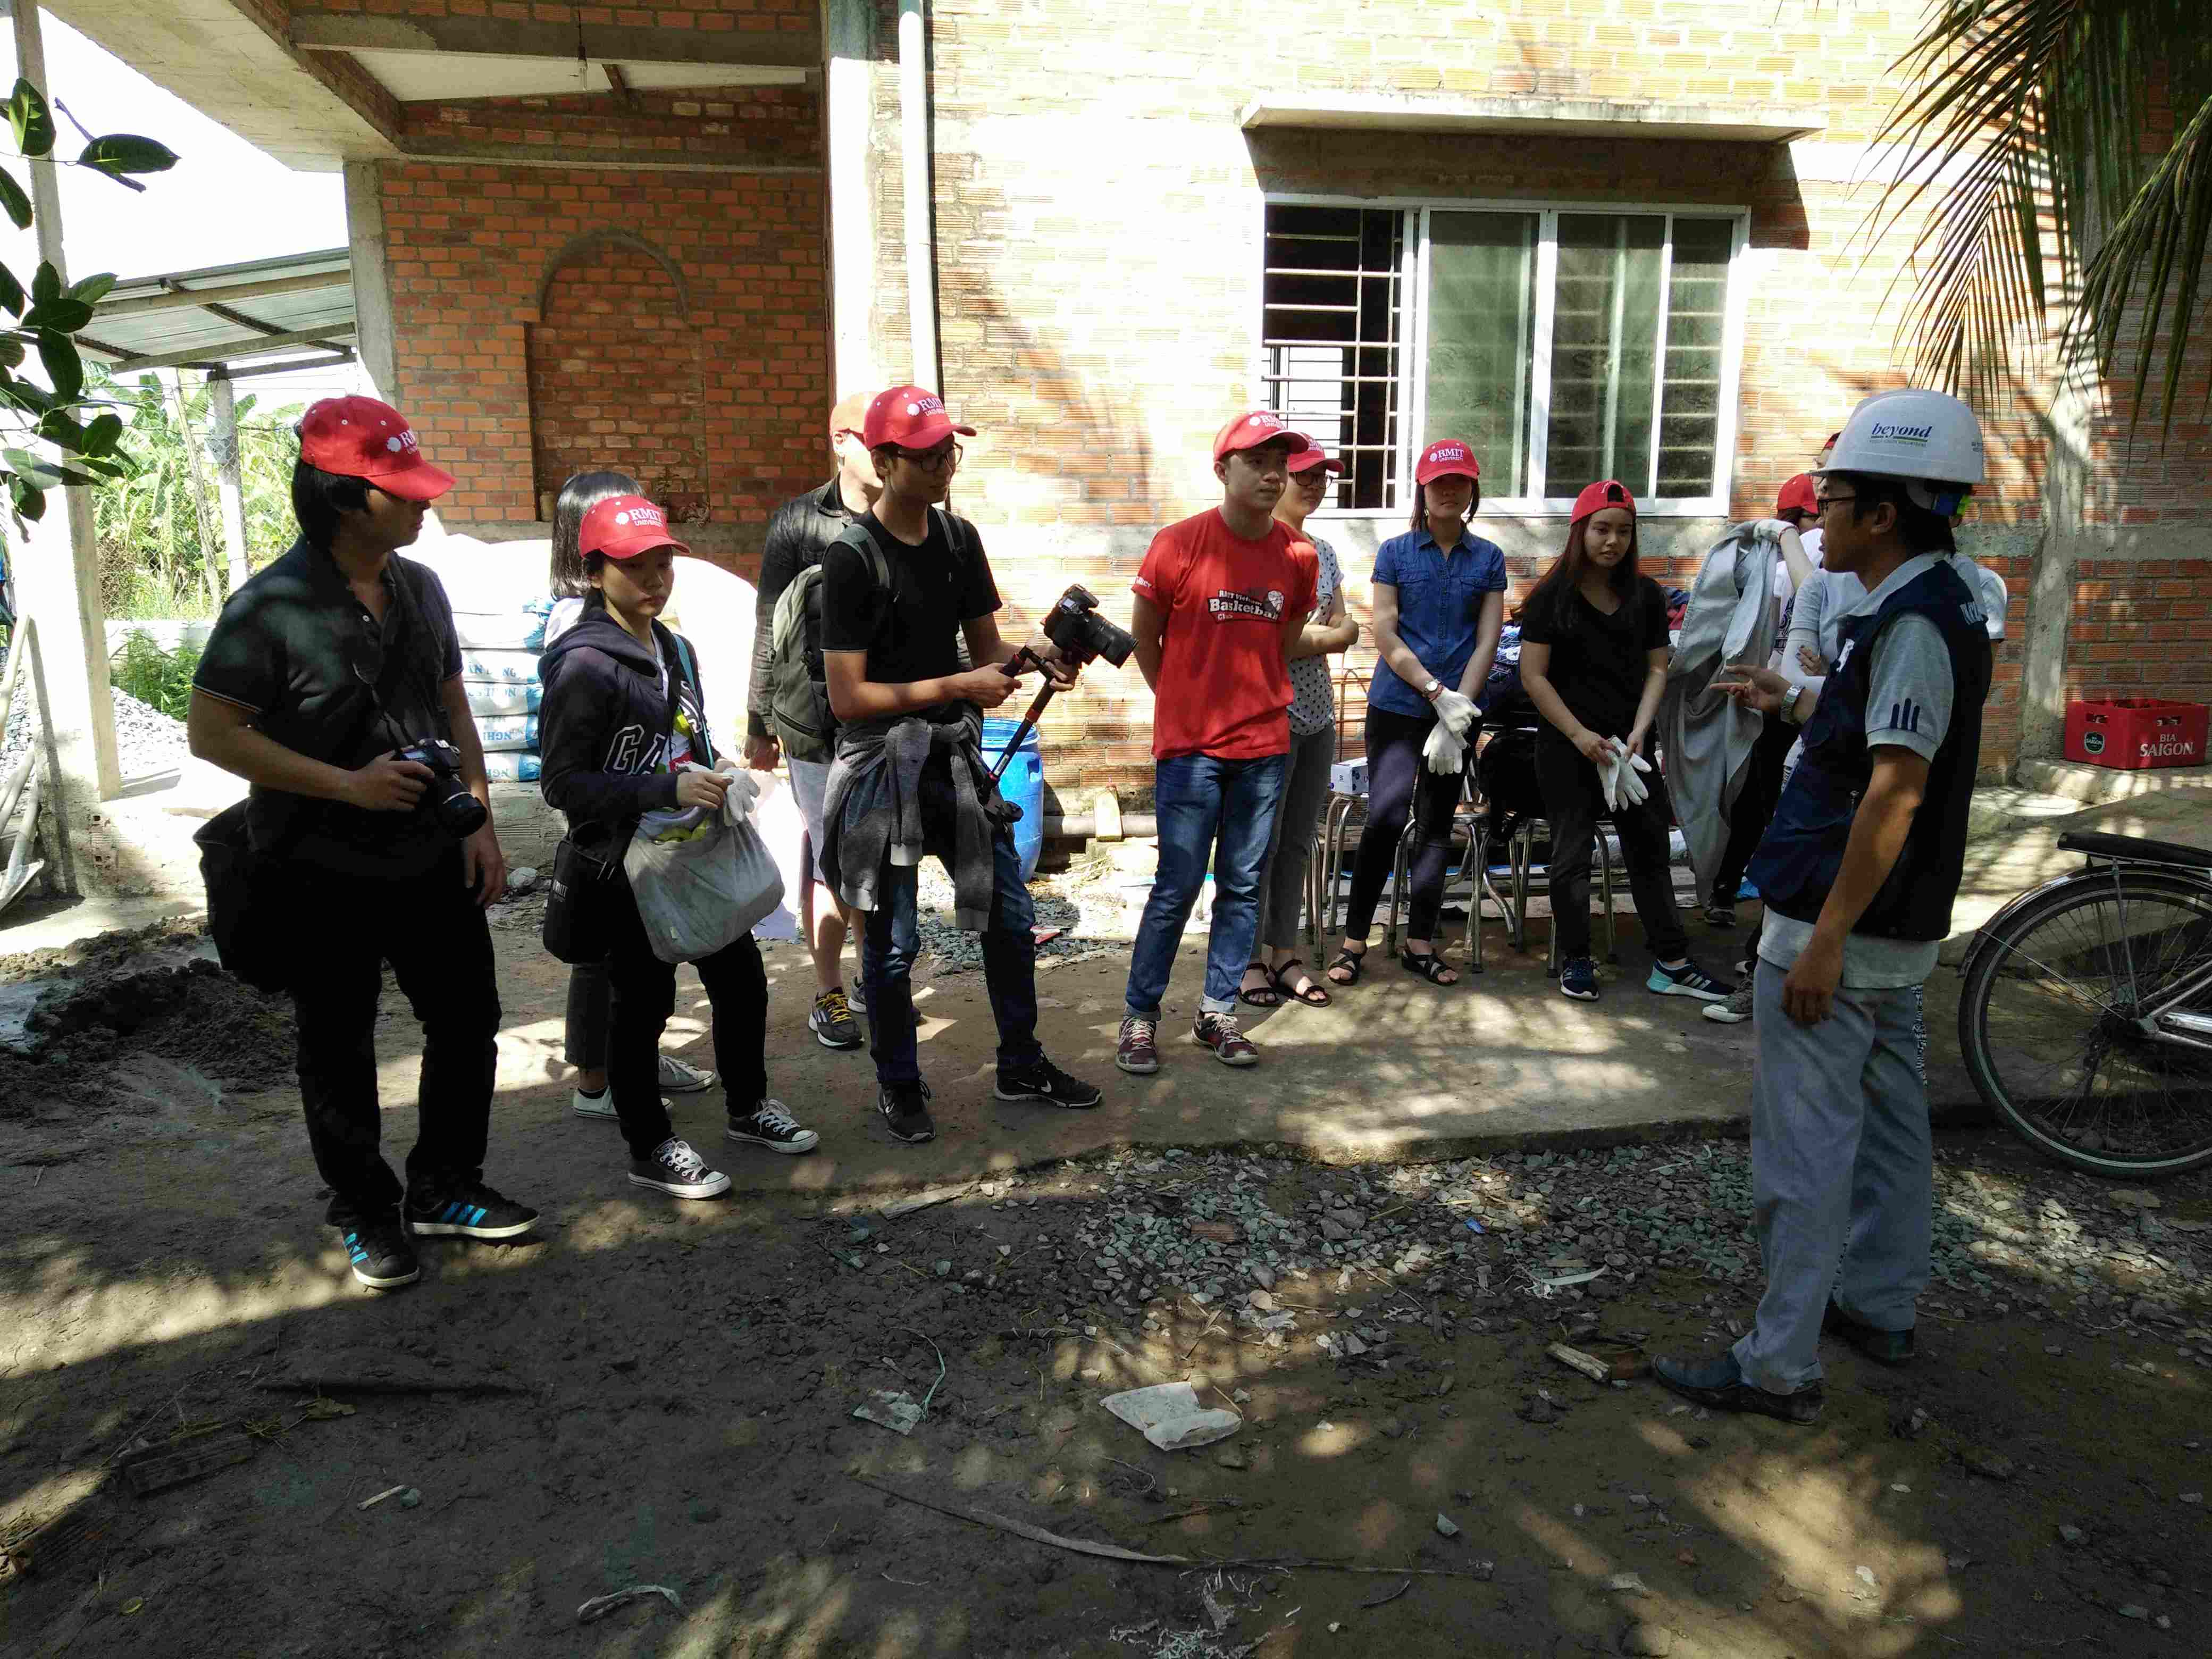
point(871, 810)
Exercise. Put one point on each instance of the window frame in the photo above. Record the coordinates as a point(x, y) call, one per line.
point(1412, 350)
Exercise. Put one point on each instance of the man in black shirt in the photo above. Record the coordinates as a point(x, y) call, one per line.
point(320, 670)
point(800, 533)
point(900, 590)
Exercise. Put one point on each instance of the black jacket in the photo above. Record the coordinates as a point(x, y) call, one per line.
point(603, 724)
point(798, 535)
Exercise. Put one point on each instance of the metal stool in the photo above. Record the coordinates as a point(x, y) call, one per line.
point(1470, 820)
point(1525, 836)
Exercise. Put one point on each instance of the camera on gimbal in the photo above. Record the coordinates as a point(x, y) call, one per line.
point(1074, 625)
point(445, 797)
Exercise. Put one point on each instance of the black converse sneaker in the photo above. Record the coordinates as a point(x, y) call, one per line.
point(1042, 1080)
point(383, 1255)
point(675, 1170)
point(770, 1126)
point(470, 1211)
point(905, 1107)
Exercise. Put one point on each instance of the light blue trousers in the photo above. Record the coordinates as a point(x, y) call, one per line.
point(1842, 1172)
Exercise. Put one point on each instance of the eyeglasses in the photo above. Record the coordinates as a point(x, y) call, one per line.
point(935, 460)
point(1822, 503)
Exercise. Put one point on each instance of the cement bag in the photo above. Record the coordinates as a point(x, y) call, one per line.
point(513, 766)
point(715, 611)
point(500, 630)
point(487, 578)
point(701, 878)
point(502, 696)
point(503, 732)
point(505, 667)
point(782, 826)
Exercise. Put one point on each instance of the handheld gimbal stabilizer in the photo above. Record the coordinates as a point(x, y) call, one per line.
point(1082, 635)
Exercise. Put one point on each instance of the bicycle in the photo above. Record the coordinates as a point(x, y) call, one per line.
point(2086, 1017)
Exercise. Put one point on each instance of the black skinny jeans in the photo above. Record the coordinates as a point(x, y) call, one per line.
point(431, 930)
point(644, 995)
point(1398, 784)
point(1573, 803)
point(1754, 806)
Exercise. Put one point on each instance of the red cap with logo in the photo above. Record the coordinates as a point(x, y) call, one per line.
point(1606, 493)
point(1798, 495)
point(1307, 460)
point(1447, 458)
point(624, 526)
point(1260, 426)
point(910, 416)
point(361, 438)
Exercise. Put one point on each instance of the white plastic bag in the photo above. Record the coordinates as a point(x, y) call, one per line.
point(701, 878)
point(783, 827)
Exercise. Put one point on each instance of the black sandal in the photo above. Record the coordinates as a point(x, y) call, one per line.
point(1259, 996)
point(1427, 965)
point(1313, 996)
point(1353, 960)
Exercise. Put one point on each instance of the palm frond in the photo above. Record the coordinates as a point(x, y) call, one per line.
point(2021, 114)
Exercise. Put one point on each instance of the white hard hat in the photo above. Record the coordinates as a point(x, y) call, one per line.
point(1925, 437)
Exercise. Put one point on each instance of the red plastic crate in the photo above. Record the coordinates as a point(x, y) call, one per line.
point(2131, 734)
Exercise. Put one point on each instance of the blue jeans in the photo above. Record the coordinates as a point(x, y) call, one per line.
point(1226, 808)
point(893, 939)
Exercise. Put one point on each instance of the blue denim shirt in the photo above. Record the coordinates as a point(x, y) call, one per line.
point(1440, 598)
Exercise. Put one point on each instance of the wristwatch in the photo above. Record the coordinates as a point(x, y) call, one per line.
point(1789, 703)
point(1431, 686)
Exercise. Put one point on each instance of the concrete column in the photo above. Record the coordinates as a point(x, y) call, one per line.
point(230, 493)
point(2067, 539)
point(58, 565)
point(849, 147)
point(920, 211)
point(372, 281)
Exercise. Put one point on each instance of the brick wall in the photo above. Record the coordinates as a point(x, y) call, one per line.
point(759, 126)
point(2141, 628)
point(471, 248)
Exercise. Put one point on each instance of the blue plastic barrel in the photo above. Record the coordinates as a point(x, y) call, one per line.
point(1023, 784)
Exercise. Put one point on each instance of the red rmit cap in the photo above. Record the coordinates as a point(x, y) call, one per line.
point(361, 438)
point(911, 416)
point(624, 526)
point(1607, 493)
point(1306, 461)
point(1260, 426)
point(1447, 458)
point(1798, 495)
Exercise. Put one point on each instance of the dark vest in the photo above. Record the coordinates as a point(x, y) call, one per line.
point(1796, 863)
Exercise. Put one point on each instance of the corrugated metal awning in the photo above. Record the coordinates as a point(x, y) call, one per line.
point(294, 311)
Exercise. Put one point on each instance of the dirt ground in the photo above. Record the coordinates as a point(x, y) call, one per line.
point(649, 1393)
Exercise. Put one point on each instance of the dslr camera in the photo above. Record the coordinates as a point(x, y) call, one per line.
point(445, 797)
point(1074, 625)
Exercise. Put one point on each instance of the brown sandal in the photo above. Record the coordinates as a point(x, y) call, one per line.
point(1313, 996)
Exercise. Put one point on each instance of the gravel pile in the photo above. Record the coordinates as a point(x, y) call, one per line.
point(1226, 1229)
point(146, 739)
point(1058, 905)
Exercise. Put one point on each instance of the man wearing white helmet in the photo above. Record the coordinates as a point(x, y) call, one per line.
point(1858, 871)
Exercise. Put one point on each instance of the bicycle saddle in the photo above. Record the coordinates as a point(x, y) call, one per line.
point(2134, 849)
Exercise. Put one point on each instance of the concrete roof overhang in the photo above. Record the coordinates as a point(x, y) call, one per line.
point(1558, 118)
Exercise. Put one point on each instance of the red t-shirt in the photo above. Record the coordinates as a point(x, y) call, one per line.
point(1224, 690)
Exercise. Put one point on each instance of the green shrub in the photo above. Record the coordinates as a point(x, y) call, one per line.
point(161, 679)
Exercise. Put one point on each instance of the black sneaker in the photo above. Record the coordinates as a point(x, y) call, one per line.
point(832, 1022)
point(1687, 980)
point(471, 1211)
point(1884, 1347)
point(1047, 1082)
point(905, 1107)
point(383, 1255)
point(1579, 979)
point(675, 1170)
point(769, 1125)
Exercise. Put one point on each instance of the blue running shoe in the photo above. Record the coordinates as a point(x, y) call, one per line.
point(471, 1211)
point(1579, 979)
point(383, 1257)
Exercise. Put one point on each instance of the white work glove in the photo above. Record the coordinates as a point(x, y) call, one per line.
point(1608, 779)
point(1632, 789)
point(1444, 753)
point(1455, 711)
point(1773, 529)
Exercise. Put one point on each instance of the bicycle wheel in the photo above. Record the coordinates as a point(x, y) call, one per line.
point(2050, 1023)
